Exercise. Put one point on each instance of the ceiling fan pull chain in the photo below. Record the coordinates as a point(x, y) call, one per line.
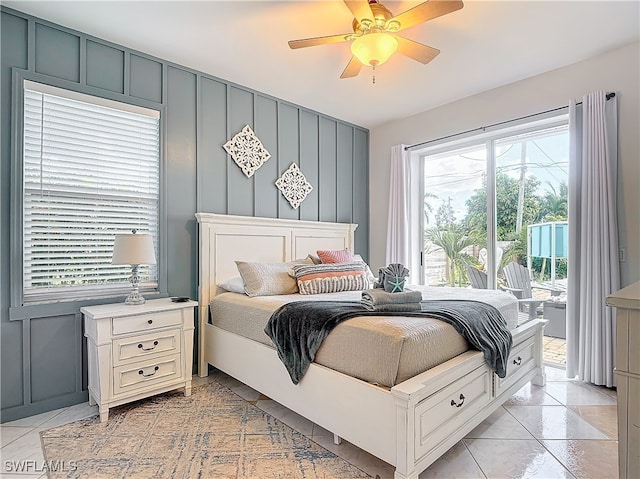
point(374, 75)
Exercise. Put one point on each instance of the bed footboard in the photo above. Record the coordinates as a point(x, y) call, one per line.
point(436, 409)
point(409, 426)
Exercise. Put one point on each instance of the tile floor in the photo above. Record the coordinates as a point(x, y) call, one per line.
point(567, 429)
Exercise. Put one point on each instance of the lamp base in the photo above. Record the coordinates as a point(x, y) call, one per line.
point(134, 298)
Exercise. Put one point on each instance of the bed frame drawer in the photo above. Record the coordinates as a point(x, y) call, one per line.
point(452, 406)
point(126, 350)
point(145, 374)
point(521, 360)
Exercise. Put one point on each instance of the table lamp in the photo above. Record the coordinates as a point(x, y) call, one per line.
point(134, 249)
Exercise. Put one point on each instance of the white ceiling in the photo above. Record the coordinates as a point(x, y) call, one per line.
point(485, 45)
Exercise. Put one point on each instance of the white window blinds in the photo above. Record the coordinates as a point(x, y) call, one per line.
point(91, 170)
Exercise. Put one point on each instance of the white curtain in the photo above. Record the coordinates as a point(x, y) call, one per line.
point(593, 271)
point(398, 233)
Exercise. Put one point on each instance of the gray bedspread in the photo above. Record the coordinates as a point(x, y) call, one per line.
point(297, 329)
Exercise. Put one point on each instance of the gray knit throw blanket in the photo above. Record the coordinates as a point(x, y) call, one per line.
point(297, 329)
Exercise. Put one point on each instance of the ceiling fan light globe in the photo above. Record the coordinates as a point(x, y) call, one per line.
point(374, 49)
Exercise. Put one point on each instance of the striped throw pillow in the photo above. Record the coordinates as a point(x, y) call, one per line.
point(335, 256)
point(331, 278)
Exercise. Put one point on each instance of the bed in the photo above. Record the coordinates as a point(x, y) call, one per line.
point(409, 424)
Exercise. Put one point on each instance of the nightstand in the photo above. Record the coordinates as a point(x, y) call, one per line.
point(136, 351)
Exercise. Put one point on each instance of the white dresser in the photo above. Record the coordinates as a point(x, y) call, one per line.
point(627, 302)
point(135, 351)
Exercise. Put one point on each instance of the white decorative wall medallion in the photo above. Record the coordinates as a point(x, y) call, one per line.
point(294, 186)
point(247, 151)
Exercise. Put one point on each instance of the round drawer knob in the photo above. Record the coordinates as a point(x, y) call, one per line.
point(150, 321)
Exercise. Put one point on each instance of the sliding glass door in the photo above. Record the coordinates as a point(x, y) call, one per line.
point(494, 199)
point(532, 191)
point(452, 242)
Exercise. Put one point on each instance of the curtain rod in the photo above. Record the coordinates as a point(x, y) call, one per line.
point(482, 128)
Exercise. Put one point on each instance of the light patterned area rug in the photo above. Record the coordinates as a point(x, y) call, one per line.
point(214, 433)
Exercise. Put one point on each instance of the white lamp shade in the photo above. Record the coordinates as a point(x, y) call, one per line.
point(374, 49)
point(133, 249)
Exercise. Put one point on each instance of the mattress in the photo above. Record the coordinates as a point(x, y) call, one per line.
point(383, 350)
point(505, 302)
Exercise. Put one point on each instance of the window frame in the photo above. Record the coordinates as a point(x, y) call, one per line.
point(18, 308)
point(487, 136)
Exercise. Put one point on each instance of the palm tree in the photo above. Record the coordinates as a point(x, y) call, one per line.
point(428, 208)
point(554, 203)
point(453, 239)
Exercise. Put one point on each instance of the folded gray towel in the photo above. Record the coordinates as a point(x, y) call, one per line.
point(392, 278)
point(394, 308)
point(372, 298)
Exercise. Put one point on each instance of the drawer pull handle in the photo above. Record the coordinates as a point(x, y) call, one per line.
point(155, 343)
point(150, 321)
point(518, 361)
point(453, 401)
point(155, 370)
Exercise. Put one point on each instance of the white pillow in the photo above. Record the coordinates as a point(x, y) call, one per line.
point(233, 285)
point(370, 277)
point(267, 279)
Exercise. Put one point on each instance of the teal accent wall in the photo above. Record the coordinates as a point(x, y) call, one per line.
point(42, 348)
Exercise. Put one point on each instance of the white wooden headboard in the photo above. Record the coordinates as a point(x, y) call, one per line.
point(223, 239)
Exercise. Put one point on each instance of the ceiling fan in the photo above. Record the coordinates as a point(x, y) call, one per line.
point(374, 37)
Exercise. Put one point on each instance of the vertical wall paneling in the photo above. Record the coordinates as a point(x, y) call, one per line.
point(241, 191)
point(212, 158)
point(266, 128)
point(327, 148)
point(26, 361)
point(83, 60)
point(11, 379)
point(145, 79)
point(289, 152)
point(105, 67)
point(181, 181)
point(344, 173)
point(14, 31)
point(126, 71)
point(361, 193)
point(42, 348)
point(309, 163)
point(50, 365)
point(57, 53)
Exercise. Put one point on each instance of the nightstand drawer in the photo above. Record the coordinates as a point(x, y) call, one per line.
point(126, 350)
point(145, 322)
point(143, 373)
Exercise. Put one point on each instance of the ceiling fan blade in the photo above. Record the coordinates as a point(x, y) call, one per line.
point(426, 11)
point(312, 42)
point(417, 51)
point(359, 8)
point(353, 68)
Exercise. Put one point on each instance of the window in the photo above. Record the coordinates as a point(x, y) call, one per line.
point(483, 195)
point(91, 170)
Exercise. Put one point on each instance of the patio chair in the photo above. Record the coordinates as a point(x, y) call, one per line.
point(519, 284)
point(477, 278)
